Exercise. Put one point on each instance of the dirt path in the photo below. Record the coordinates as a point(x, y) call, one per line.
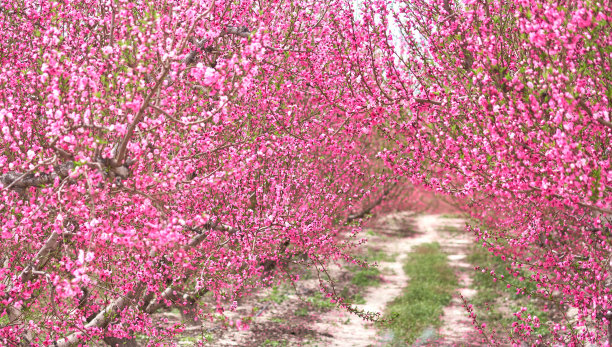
point(282, 318)
point(355, 331)
point(349, 330)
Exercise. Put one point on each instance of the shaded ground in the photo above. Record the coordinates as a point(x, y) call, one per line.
point(300, 316)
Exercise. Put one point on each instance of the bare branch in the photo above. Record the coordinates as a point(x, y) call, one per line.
point(168, 293)
point(40, 259)
point(427, 101)
point(121, 153)
point(368, 209)
point(200, 45)
point(18, 181)
point(590, 113)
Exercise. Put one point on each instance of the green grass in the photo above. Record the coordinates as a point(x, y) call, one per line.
point(4, 320)
point(374, 233)
point(274, 343)
point(484, 281)
point(189, 339)
point(278, 320)
point(316, 302)
point(369, 276)
point(365, 277)
point(450, 215)
point(208, 337)
point(371, 233)
point(490, 293)
point(378, 255)
point(432, 282)
point(358, 299)
point(302, 312)
point(361, 277)
point(276, 295)
point(193, 340)
point(352, 298)
point(452, 229)
point(320, 302)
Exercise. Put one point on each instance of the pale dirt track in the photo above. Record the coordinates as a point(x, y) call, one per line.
point(429, 228)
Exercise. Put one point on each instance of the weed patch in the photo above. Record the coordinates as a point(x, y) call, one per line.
point(320, 302)
point(276, 295)
point(278, 320)
point(302, 312)
point(377, 255)
point(274, 343)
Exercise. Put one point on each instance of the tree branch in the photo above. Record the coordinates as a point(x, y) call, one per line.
point(427, 101)
point(103, 318)
point(18, 181)
point(14, 180)
point(368, 209)
point(590, 113)
point(121, 153)
point(168, 293)
point(238, 31)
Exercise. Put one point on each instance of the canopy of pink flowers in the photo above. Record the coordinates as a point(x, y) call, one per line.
point(154, 151)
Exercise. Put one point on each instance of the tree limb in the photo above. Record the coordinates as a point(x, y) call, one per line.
point(14, 180)
point(238, 31)
point(427, 101)
point(168, 293)
point(368, 209)
point(19, 181)
point(590, 113)
point(103, 318)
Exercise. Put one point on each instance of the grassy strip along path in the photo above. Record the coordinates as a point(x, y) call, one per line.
point(432, 284)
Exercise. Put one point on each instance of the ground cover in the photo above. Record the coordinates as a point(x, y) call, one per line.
point(431, 286)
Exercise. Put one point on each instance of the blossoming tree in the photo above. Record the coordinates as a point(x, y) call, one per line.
point(506, 106)
point(154, 151)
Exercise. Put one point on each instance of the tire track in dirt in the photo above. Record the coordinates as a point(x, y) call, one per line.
point(356, 331)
